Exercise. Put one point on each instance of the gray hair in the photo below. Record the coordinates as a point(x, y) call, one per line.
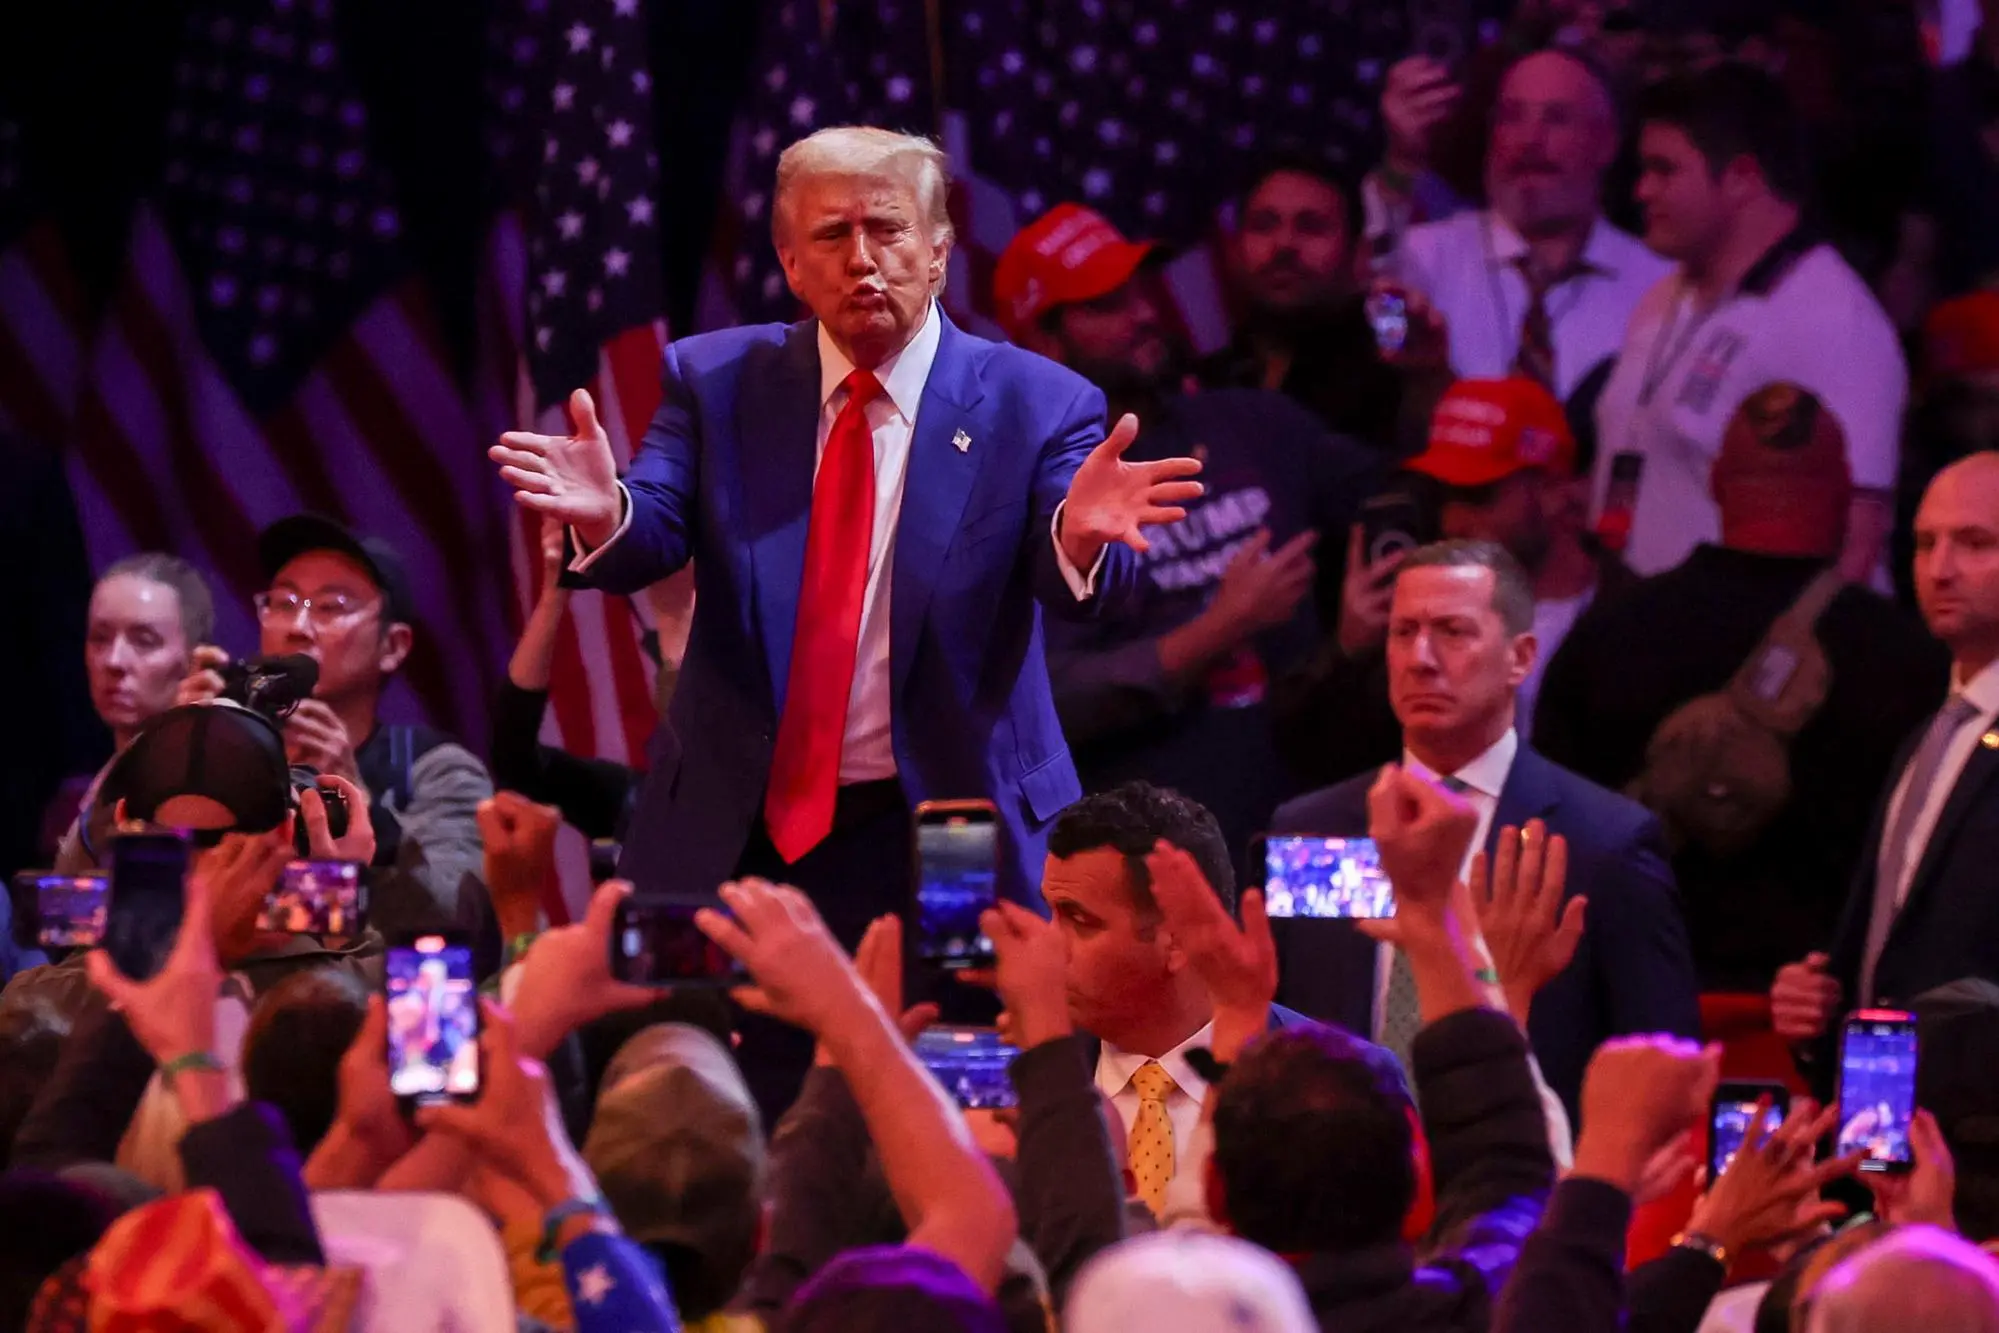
point(197, 604)
point(862, 150)
point(1512, 590)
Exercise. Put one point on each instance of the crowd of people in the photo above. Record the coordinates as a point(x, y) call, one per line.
point(1588, 545)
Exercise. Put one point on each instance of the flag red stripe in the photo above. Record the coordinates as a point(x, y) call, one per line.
point(634, 360)
point(117, 469)
point(27, 395)
point(569, 692)
point(50, 259)
point(628, 674)
point(305, 463)
point(225, 529)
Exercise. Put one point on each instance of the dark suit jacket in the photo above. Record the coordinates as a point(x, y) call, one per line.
point(724, 479)
point(1633, 971)
point(1948, 927)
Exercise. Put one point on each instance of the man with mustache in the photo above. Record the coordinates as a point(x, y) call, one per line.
point(1538, 284)
point(1293, 260)
point(1174, 692)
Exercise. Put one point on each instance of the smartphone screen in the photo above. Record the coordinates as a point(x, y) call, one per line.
point(1321, 877)
point(1388, 316)
point(957, 879)
point(1877, 1088)
point(433, 1011)
point(316, 898)
point(971, 1064)
point(148, 881)
point(1729, 1118)
point(658, 944)
point(59, 911)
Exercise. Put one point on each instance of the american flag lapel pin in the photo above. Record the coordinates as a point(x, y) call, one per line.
point(961, 442)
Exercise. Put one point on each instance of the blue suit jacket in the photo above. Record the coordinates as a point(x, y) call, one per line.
point(1632, 972)
point(724, 478)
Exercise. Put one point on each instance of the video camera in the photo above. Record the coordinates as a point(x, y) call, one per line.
point(272, 687)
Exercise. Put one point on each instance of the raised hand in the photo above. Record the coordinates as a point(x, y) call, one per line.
point(572, 478)
point(1261, 588)
point(1031, 974)
point(1417, 95)
point(1110, 500)
point(1238, 964)
point(1531, 933)
point(879, 961)
point(1769, 1193)
point(801, 974)
point(1366, 592)
point(566, 977)
point(203, 682)
point(316, 737)
point(358, 842)
point(236, 876)
point(1423, 833)
point(519, 839)
point(1925, 1193)
point(172, 1013)
point(1639, 1094)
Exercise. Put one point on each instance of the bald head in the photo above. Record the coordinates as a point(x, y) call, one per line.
point(1957, 560)
point(1916, 1277)
point(1554, 134)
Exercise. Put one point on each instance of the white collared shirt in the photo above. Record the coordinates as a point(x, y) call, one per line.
point(1484, 779)
point(1685, 370)
point(1183, 1102)
point(1982, 690)
point(1468, 267)
point(867, 750)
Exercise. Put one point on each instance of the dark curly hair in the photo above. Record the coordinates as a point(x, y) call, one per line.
point(1313, 1143)
point(1133, 816)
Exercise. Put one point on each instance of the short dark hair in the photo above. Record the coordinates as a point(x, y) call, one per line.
point(1733, 110)
point(291, 1053)
point(1512, 590)
point(1130, 818)
point(1297, 160)
point(197, 603)
point(1313, 1144)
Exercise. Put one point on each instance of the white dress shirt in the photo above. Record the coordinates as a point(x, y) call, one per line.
point(867, 751)
point(1468, 267)
point(1183, 1102)
point(1982, 690)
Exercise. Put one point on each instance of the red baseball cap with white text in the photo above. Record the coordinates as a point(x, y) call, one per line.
point(1068, 254)
point(1484, 431)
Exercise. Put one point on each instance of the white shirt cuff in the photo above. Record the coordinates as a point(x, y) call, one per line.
point(1084, 586)
point(585, 559)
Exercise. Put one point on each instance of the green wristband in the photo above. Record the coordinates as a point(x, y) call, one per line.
point(551, 1225)
point(1487, 975)
point(193, 1062)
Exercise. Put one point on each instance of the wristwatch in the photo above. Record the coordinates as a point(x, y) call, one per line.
point(1700, 1244)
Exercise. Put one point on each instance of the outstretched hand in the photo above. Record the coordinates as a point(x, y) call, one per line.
point(1110, 499)
point(1531, 932)
point(572, 478)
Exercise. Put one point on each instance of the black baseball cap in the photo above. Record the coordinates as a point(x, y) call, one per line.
point(289, 538)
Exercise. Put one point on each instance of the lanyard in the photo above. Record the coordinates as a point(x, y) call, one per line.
point(1656, 371)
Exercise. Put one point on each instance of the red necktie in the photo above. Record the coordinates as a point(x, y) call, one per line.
point(805, 770)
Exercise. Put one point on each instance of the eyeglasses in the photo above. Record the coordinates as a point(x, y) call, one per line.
point(324, 612)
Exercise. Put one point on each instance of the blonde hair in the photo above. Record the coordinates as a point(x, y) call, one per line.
point(862, 150)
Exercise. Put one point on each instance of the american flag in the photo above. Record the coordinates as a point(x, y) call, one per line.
point(1146, 110)
point(573, 298)
point(267, 351)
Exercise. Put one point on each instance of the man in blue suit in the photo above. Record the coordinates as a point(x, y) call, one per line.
point(874, 503)
point(1460, 640)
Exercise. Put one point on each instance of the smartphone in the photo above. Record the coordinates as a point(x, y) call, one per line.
point(1730, 1114)
point(1441, 30)
point(433, 1009)
point(1388, 316)
point(971, 1063)
point(317, 898)
point(54, 911)
point(148, 878)
point(1320, 877)
point(957, 879)
point(656, 943)
point(1393, 523)
point(1877, 1088)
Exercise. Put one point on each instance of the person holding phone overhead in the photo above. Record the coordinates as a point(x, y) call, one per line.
point(1921, 912)
point(1460, 641)
point(874, 502)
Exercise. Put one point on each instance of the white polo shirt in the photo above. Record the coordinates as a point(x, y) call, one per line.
point(1801, 316)
point(1468, 266)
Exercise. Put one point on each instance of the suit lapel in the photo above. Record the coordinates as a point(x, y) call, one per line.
point(1530, 793)
point(1979, 770)
point(778, 415)
point(935, 489)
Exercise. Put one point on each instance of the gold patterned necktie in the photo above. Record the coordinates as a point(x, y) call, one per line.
point(1151, 1145)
